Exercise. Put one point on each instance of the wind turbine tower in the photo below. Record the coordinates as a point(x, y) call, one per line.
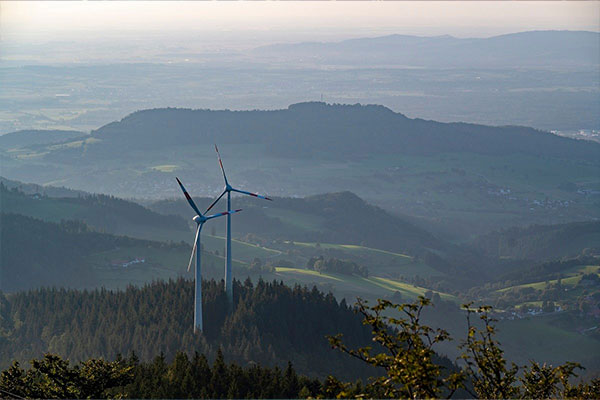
point(227, 190)
point(199, 219)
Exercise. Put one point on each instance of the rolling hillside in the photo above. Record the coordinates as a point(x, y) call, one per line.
point(290, 233)
point(347, 223)
point(342, 218)
point(26, 138)
point(70, 254)
point(462, 179)
point(104, 213)
point(36, 253)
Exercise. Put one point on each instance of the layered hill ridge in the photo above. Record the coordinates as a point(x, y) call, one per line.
point(37, 137)
point(341, 217)
point(462, 177)
point(105, 213)
point(525, 49)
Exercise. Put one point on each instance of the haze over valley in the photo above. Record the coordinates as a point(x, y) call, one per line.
point(233, 201)
point(495, 80)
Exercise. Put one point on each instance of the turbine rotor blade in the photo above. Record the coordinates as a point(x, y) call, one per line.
point(252, 194)
point(215, 202)
point(194, 248)
point(221, 164)
point(223, 213)
point(188, 197)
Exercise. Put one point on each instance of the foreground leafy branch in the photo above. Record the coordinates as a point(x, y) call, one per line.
point(484, 359)
point(492, 378)
point(408, 356)
point(405, 353)
point(54, 378)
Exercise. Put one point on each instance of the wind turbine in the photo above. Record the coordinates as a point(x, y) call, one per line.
point(228, 189)
point(199, 219)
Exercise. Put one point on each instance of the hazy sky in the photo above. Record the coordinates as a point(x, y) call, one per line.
point(21, 20)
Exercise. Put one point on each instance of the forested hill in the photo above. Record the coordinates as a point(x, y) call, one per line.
point(271, 324)
point(328, 131)
point(36, 137)
point(542, 242)
point(105, 213)
point(341, 217)
point(42, 190)
point(35, 253)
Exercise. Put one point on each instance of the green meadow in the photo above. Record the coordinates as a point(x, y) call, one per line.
point(352, 286)
point(572, 278)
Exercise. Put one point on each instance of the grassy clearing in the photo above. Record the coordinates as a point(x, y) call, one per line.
point(32, 155)
point(583, 269)
point(408, 288)
point(354, 248)
point(572, 278)
point(74, 144)
point(159, 264)
point(370, 287)
point(530, 304)
point(571, 281)
point(165, 168)
point(174, 260)
point(307, 272)
point(380, 261)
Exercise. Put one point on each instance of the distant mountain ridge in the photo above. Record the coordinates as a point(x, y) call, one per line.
point(522, 49)
point(315, 129)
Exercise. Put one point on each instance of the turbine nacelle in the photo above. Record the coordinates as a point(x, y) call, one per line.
point(228, 189)
point(199, 219)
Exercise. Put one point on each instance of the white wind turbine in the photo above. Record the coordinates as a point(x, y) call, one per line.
point(228, 189)
point(199, 219)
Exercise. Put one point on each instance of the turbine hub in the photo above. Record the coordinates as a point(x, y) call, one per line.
point(198, 219)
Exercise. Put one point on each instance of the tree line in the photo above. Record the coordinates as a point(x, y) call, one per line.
point(404, 351)
point(182, 377)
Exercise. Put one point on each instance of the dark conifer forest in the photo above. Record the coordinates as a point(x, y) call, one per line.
point(271, 324)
